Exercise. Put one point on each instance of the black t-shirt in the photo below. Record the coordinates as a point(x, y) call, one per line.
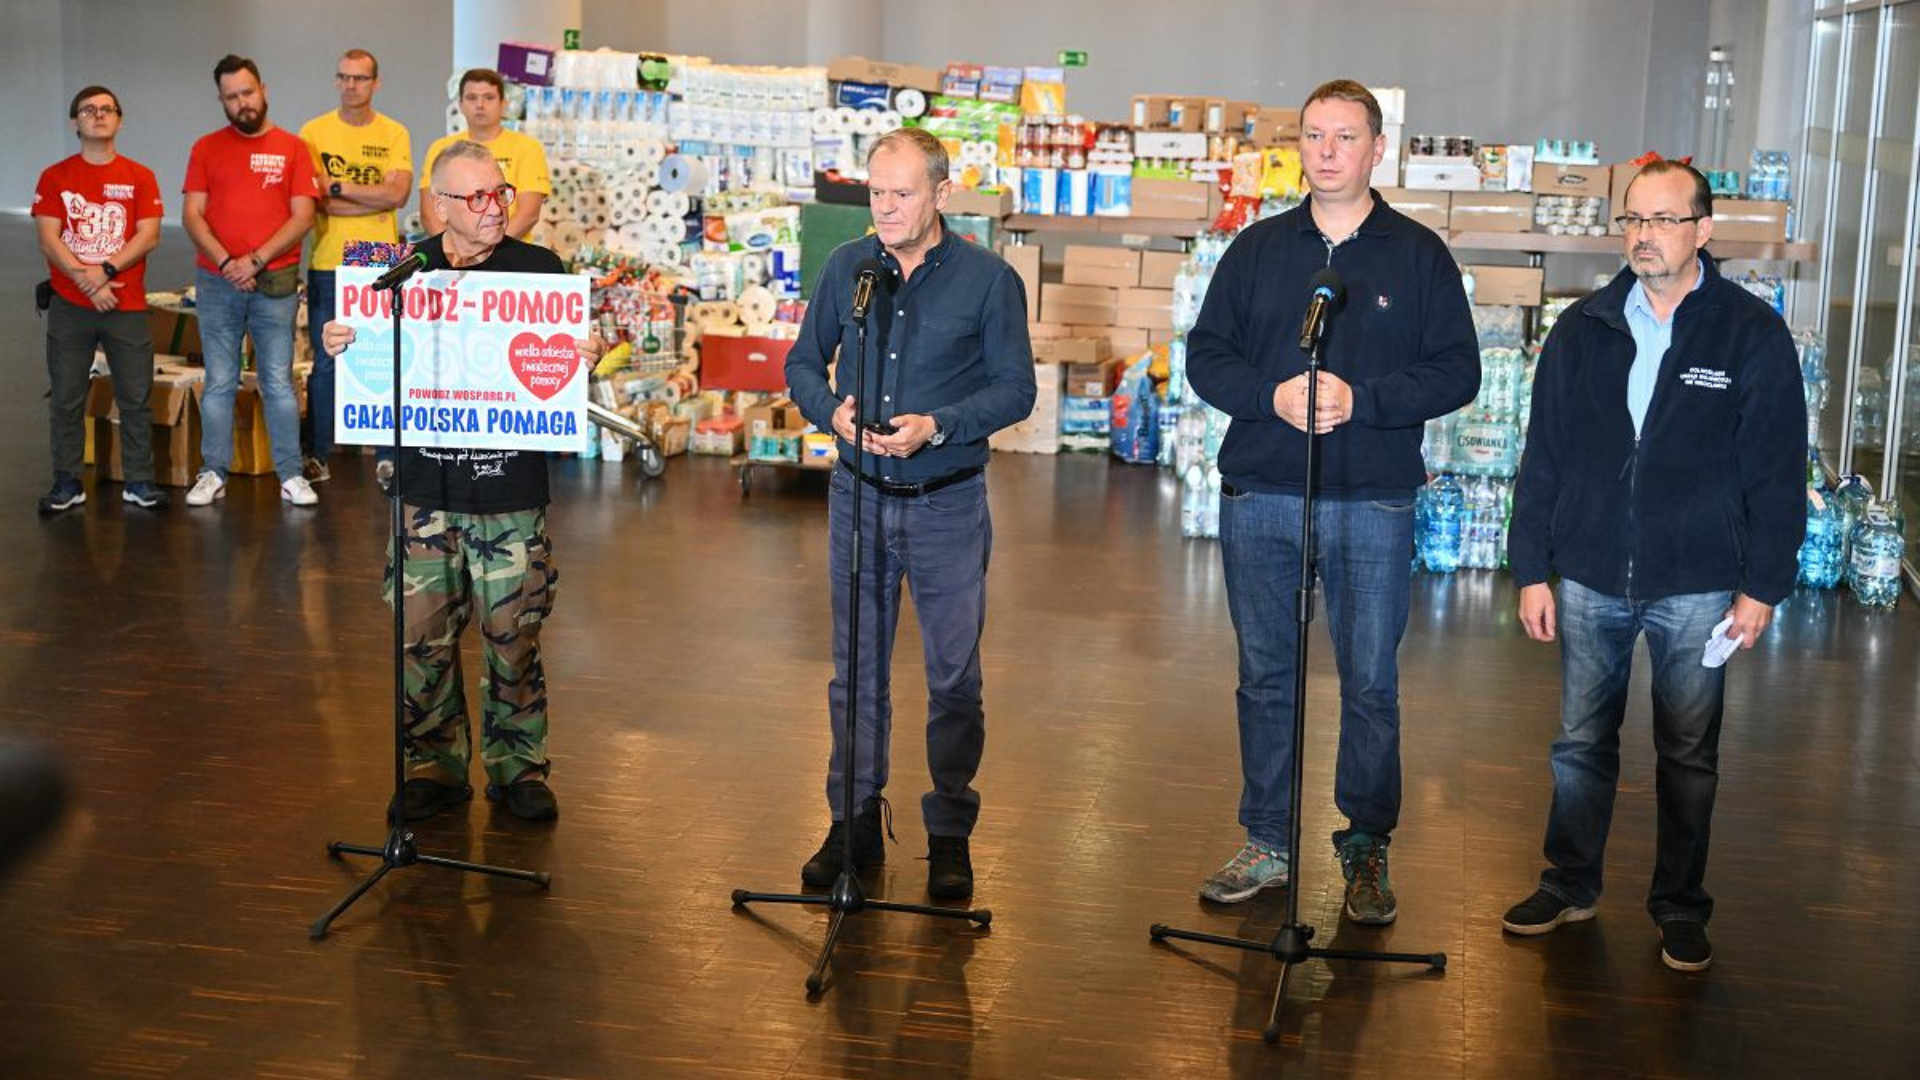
point(481, 481)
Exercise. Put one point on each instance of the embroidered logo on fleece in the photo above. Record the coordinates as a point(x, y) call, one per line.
point(1706, 378)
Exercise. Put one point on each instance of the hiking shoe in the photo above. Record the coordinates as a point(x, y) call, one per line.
point(869, 845)
point(1256, 867)
point(1541, 913)
point(949, 868)
point(315, 470)
point(528, 800)
point(1684, 945)
point(298, 492)
point(1370, 902)
point(383, 475)
point(65, 494)
point(144, 496)
point(207, 487)
point(422, 798)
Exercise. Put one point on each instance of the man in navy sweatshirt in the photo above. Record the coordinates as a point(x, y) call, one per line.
point(1662, 482)
point(1401, 352)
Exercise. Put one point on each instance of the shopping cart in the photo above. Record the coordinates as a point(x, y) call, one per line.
point(644, 327)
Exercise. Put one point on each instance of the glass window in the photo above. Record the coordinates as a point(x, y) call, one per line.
point(1859, 54)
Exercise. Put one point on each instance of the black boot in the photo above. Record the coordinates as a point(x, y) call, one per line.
point(949, 868)
point(869, 845)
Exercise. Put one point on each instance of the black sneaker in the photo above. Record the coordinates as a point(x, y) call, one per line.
point(870, 831)
point(1541, 913)
point(949, 868)
point(422, 798)
point(1684, 945)
point(65, 494)
point(528, 800)
point(144, 496)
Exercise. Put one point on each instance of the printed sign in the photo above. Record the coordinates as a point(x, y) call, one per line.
point(487, 361)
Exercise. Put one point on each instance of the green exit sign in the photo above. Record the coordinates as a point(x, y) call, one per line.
point(570, 39)
point(1073, 58)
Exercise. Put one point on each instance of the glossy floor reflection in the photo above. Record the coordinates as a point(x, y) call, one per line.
point(218, 682)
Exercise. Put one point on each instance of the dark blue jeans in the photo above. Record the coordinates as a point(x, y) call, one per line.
point(938, 546)
point(1364, 551)
point(1597, 633)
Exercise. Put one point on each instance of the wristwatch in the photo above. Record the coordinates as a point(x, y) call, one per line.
point(110, 270)
point(939, 435)
point(334, 189)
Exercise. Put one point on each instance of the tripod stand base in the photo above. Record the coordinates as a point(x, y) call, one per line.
point(398, 852)
point(1289, 946)
point(844, 899)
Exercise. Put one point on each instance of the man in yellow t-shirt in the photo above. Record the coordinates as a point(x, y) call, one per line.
point(364, 162)
point(521, 157)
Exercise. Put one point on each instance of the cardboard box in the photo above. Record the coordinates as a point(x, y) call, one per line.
point(672, 436)
point(1429, 208)
point(1070, 350)
point(1078, 304)
point(989, 204)
point(1096, 379)
point(1158, 268)
point(776, 415)
point(175, 333)
point(1046, 331)
point(1623, 175)
point(860, 69)
point(1507, 285)
point(1393, 103)
point(722, 436)
point(1150, 110)
point(743, 363)
point(1269, 125)
point(1025, 260)
point(524, 63)
point(1749, 220)
point(176, 428)
point(1183, 145)
point(1145, 309)
point(1186, 113)
point(1570, 179)
point(818, 450)
point(1440, 174)
point(1124, 342)
point(1110, 267)
point(1184, 200)
point(1491, 211)
point(1226, 116)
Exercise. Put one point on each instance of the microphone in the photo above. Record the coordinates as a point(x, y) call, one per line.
point(865, 274)
point(401, 271)
point(1327, 292)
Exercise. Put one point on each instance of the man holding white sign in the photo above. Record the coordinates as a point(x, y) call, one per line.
point(476, 513)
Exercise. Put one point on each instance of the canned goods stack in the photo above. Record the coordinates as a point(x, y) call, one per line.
point(1570, 215)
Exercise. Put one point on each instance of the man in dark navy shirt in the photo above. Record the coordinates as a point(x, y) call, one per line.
point(1400, 352)
point(947, 364)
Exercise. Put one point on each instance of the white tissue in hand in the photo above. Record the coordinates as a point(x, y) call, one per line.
point(1719, 646)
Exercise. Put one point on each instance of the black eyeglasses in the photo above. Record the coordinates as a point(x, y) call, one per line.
point(91, 111)
point(477, 202)
point(1658, 223)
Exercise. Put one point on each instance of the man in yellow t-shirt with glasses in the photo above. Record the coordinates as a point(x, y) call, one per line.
point(483, 97)
point(364, 162)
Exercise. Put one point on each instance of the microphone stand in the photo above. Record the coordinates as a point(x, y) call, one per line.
point(845, 898)
point(1290, 945)
point(400, 850)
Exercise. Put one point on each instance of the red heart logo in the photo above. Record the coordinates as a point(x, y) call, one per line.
point(543, 366)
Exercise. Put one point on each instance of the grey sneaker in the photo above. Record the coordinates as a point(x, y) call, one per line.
point(315, 470)
point(1256, 867)
point(1370, 901)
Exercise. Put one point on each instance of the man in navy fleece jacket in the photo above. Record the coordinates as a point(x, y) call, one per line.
point(1401, 352)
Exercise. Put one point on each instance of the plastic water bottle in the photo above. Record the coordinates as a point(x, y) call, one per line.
point(1210, 505)
point(1869, 409)
point(1822, 552)
point(1193, 490)
point(1422, 511)
point(1445, 507)
point(1852, 495)
point(1436, 446)
point(1478, 543)
point(1878, 548)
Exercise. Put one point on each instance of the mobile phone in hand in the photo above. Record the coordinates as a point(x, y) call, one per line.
point(880, 427)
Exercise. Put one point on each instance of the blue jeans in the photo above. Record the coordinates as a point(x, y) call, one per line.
point(1597, 633)
point(226, 315)
point(318, 425)
point(1364, 551)
point(938, 546)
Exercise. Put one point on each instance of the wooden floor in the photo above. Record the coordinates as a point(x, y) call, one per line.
point(218, 682)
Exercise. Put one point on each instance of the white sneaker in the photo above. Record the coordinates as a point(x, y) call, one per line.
point(298, 492)
point(207, 487)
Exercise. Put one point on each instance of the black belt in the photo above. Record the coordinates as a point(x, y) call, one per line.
point(914, 491)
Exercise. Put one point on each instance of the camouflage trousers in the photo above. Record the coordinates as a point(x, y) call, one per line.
point(502, 565)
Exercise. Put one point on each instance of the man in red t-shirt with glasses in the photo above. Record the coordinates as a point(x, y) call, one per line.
point(250, 197)
point(98, 215)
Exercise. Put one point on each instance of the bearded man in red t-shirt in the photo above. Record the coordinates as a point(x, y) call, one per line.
point(250, 195)
point(98, 216)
